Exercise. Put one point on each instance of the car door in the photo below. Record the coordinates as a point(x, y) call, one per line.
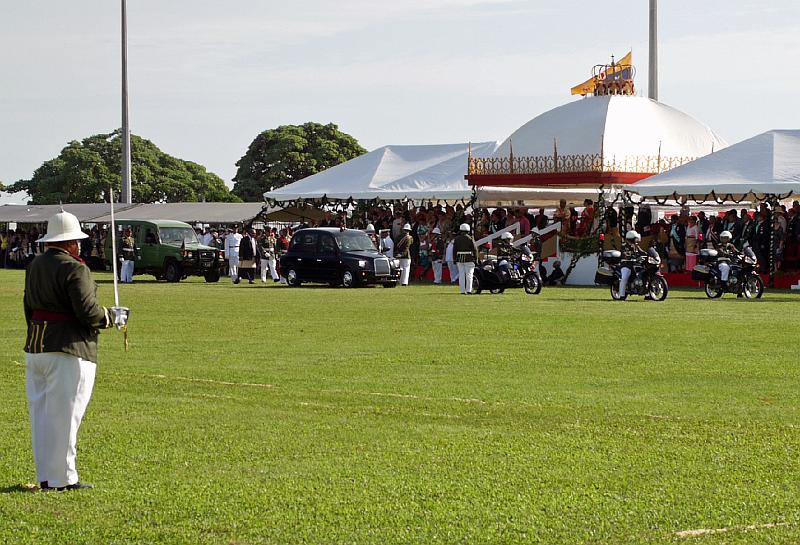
point(326, 260)
point(304, 246)
point(148, 246)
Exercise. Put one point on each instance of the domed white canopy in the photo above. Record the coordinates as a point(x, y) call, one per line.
point(626, 127)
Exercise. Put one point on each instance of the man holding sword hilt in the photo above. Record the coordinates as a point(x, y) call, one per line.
point(63, 320)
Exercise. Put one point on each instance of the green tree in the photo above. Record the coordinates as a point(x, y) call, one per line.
point(289, 153)
point(84, 170)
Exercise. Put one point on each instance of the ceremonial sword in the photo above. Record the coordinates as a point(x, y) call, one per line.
point(120, 313)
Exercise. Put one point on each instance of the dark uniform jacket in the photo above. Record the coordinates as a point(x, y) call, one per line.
point(463, 245)
point(61, 306)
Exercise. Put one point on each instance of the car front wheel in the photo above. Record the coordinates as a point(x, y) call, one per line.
point(348, 279)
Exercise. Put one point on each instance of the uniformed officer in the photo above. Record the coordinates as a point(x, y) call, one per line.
point(387, 244)
point(726, 250)
point(630, 250)
point(266, 252)
point(127, 253)
point(63, 320)
point(370, 231)
point(466, 255)
point(402, 251)
point(437, 254)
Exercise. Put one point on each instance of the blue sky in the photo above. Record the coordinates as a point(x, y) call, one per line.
point(207, 76)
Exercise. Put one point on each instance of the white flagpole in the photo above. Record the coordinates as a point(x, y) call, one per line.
point(114, 248)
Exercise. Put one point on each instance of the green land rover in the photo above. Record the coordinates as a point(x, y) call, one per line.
point(169, 250)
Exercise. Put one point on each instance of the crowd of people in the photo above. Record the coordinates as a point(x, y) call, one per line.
point(431, 229)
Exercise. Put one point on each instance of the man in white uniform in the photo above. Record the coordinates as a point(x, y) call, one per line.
point(449, 258)
point(63, 320)
point(232, 252)
point(387, 244)
point(466, 256)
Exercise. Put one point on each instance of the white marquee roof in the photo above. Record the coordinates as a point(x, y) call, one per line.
point(768, 163)
point(625, 126)
point(432, 172)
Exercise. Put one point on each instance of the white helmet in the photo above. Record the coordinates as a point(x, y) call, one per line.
point(507, 236)
point(406, 227)
point(63, 226)
point(725, 236)
point(370, 229)
point(464, 228)
point(436, 231)
point(633, 236)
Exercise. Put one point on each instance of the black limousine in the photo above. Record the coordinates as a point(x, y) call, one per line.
point(339, 257)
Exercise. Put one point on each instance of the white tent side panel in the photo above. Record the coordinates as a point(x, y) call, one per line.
point(768, 163)
point(432, 172)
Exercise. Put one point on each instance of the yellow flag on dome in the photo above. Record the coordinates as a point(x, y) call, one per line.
point(621, 68)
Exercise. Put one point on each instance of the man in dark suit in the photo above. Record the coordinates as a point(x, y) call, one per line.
point(247, 257)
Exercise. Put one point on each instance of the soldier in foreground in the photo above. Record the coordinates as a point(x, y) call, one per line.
point(466, 255)
point(63, 320)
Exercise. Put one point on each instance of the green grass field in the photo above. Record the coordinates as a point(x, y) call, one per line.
point(264, 414)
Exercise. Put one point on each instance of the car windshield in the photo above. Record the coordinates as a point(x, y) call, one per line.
point(177, 234)
point(350, 241)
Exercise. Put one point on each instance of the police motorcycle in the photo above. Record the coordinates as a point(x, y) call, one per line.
point(741, 268)
point(643, 276)
point(505, 272)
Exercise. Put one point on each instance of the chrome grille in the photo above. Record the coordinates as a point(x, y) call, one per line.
point(381, 266)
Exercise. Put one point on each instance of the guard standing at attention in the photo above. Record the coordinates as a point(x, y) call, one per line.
point(466, 255)
point(402, 251)
point(127, 254)
point(63, 320)
point(437, 254)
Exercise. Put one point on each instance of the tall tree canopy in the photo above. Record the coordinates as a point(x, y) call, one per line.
point(83, 171)
point(280, 156)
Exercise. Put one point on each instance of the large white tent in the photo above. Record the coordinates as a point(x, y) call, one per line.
point(766, 164)
point(433, 172)
point(625, 129)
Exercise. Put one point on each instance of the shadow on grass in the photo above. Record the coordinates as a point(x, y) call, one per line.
point(19, 489)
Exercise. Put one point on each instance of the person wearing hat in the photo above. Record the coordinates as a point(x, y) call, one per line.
point(402, 251)
point(436, 254)
point(63, 320)
point(387, 244)
point(370, 231)
point(266, 251)
point(232, 240)
point(466, 256)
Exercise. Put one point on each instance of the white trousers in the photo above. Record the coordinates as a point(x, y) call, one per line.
point(625, 274)
point(59, 387)
point(405, 270)
point(233, 266)
point(724, 271)
point(127, 271)
point(451, 266)
point(465, 273)
point(271, 265)
point(437, 271)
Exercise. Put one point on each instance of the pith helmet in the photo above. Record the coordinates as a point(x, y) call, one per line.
point(464, 228)
point(63, 226)
point(406, 227)
point(370, 229)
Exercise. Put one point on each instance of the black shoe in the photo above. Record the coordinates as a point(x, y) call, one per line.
point(44, 487)
point(236, 281)
point(77, 486)
point(251, 282)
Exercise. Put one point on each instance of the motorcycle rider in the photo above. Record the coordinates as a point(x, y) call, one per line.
point(726, 249)
point(505, 250)
point(630, 250)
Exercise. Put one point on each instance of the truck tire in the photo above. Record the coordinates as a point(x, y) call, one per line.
point(212, 275)
point(173, 272)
